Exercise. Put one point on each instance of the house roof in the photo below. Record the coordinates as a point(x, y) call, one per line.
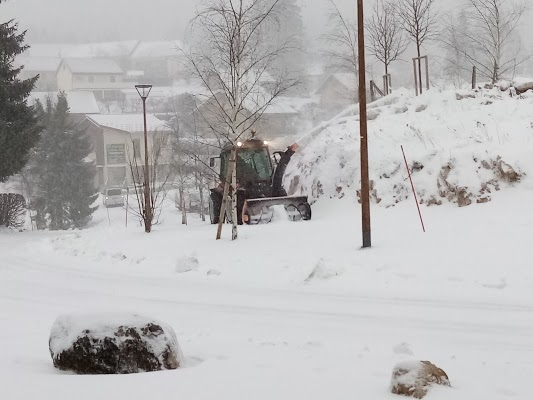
point(92, 66)
point(159, 49)
point(48, 50)
point(38, 64)
point(85, 50)
point(79, 102)
point(104, 49)
point(129, 122)
point(348, 80)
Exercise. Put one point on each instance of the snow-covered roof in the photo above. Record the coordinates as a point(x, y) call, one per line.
point(79, 102)
point(104, 49)
point(85, 50)
point(38, 64)
point(92, 66)
point(348, 80)
point(48, 50)
point(159, 49)
point(129, 122)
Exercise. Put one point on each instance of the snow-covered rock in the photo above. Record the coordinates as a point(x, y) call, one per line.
point(413, 378)
point(113, 344)
point(523, 84)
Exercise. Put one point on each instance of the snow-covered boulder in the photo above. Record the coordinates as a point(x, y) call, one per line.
point(413, 378)
point(522, 85)
point(113, 344)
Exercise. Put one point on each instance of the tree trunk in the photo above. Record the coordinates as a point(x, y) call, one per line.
point(183, 206)
point(234, 220)
point(202, 204)
point(223, 206)
point(387, 89)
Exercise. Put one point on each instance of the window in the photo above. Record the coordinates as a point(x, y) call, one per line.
point(116, 154)
point(91, 79)
point(113, 78)
point(137, 148)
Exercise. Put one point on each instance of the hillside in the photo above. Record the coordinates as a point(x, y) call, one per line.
point(461, 146)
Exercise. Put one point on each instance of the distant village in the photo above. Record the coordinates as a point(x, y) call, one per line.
point(99, 80)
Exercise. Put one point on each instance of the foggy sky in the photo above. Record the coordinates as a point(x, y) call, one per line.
point(97, 20)
point(74, 21)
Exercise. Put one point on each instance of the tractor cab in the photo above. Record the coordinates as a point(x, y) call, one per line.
point(254, 165)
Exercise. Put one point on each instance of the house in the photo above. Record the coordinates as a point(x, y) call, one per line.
point(161, 61)
point(337, 91)
point(102, 76)
point(45, 67)
point(118, 143)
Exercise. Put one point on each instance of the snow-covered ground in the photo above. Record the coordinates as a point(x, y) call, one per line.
point(298, 310)
point(253, 325)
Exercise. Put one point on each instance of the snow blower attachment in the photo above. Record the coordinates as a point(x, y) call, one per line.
point(259, 185)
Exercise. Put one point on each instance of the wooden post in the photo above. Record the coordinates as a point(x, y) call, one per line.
point(416, 77)
point(427, 72)
point(222, 214)
point(365, 182)
point(414, 191)
point(474, 77)
point(372, 91)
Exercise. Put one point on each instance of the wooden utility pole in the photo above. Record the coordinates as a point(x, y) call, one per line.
point(365, 182)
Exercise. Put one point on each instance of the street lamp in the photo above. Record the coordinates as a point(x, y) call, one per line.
point(144, 91)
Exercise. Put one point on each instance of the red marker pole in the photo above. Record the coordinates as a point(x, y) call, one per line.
point(414, 192)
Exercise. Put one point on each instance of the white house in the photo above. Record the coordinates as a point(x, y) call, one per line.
point(118, 143)
point(45, 67)
point(102, 76)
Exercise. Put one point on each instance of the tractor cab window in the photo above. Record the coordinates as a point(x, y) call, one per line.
point(252, 165)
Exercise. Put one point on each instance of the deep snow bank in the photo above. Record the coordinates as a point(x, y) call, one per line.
point(461, 147)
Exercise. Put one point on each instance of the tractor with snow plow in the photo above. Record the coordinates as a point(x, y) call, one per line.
point(259, 184)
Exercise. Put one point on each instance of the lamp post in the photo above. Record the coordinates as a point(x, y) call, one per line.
point(144, 91)
point(365, 182)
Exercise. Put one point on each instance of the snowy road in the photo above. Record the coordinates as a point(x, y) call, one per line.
point(256, 339)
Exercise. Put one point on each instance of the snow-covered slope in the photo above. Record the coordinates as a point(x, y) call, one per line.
point(461, 146)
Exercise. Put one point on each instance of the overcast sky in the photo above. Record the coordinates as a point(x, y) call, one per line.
point(97, 20)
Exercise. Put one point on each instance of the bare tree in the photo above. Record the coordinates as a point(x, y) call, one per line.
point(456, 66)
point(190, 155)
point(386, 41)
point(231, 57)
point(341, 41)
point(159, 176)
point(490, 40)
point(419, 21)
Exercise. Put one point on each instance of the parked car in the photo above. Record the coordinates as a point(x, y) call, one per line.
point(113, 197)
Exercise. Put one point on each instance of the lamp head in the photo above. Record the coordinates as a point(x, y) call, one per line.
point(143, 90)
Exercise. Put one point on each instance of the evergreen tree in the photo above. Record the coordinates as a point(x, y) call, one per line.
point(65, 187)
point(18, 125)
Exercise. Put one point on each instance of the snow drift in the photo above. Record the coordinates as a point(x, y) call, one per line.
point(460, 146)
